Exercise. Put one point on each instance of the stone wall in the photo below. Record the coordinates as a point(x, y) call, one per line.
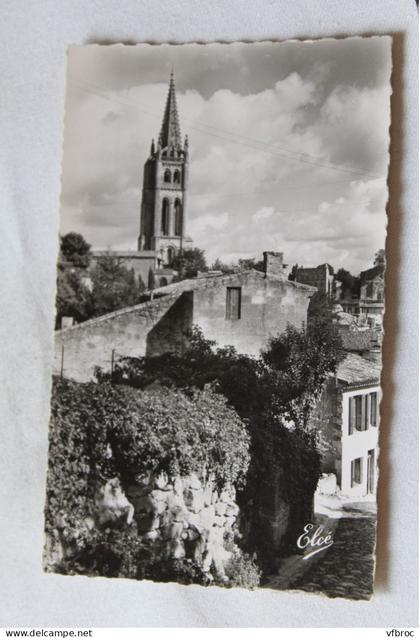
point(150, 328)
point(185, 517)
point(326, 420)
point(268, 304)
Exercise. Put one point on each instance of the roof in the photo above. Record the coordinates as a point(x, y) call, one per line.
point(358, 340)
point(124, 254)
point(356, 370)
point(372, 273)
point(223, 279)
point(170, 134)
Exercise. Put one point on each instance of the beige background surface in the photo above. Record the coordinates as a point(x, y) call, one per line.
point(34, 37)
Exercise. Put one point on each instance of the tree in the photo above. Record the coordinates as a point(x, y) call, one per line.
point(189, 262)
point(75, 250)
point(226, 269)
point(113, 286)
point(350, 285)
point(74, 298)
point(293, 272)
point(252, 263)
point(379, 258)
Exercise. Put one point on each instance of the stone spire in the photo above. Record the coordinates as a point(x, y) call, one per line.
point(170, 134)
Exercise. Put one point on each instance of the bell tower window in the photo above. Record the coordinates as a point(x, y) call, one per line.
point(167, 176)
point(178, 217)
point(165, 217)
point(177, 177)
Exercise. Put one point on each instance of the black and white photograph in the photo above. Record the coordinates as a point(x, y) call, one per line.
point(216, 391)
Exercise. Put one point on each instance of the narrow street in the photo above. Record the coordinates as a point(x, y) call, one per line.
point(344, 570)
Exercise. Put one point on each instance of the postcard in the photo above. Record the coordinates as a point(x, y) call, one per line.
point(219, 315)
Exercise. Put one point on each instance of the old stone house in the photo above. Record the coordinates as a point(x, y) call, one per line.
point(322, 277)
point(347, 419)
point(242, 309)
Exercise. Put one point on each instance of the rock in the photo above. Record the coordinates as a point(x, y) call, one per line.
point(159, 507)
point(219, 521)
point(207, 516)
point(214, 497)
point(207, 493)
point(161, 481)
point(153, 535)
point(158, 495)
point(178, 514)
point(194, 499)
point(194, 482)
point(177, 549)
point(175, 500)
point(178, 486)
point(173, 531)
point(230, 521)
point(220, 508)
point(112, 505)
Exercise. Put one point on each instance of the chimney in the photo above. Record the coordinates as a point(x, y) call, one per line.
point(273, 264)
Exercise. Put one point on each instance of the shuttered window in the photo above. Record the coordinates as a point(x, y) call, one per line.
point(233, 303)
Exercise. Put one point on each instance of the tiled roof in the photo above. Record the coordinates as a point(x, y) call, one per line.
point(358, 340)
point(356, 370)
point(223, 279)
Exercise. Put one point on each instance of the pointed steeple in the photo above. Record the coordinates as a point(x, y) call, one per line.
point(170, 134)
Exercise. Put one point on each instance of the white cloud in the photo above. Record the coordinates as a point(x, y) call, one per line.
point(263, 213)
point(253, 164)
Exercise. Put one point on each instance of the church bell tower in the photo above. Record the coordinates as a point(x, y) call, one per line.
point(163, 216)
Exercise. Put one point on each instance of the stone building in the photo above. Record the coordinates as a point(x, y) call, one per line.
point(322, 277)
point(369, 306)
point(242, 309)
point(347, 419)
point(163, 210)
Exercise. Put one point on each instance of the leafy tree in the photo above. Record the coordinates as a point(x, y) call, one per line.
point(248, 264)
point(74, 298)
point(379, 257)
point(293, 273)
point(113, 285)
point(75, 250)
point(189, 262)
point(350, 285)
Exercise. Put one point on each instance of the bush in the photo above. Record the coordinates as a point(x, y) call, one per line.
point(100, 431)
point(242, 571)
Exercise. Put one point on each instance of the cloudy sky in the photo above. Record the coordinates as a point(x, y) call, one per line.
point(289, 145)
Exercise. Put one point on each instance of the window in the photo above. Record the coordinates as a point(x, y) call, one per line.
point(178, 217)
point(360, 412)
point(233, 303)
point(356, 472)
point(177, 177)
point(170, 255)
point(374, 408)
point(167, 176)
point(165, 217)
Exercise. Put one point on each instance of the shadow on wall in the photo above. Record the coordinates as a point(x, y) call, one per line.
point(168, 335)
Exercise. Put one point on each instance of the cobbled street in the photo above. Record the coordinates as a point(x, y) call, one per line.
point(345, 569)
